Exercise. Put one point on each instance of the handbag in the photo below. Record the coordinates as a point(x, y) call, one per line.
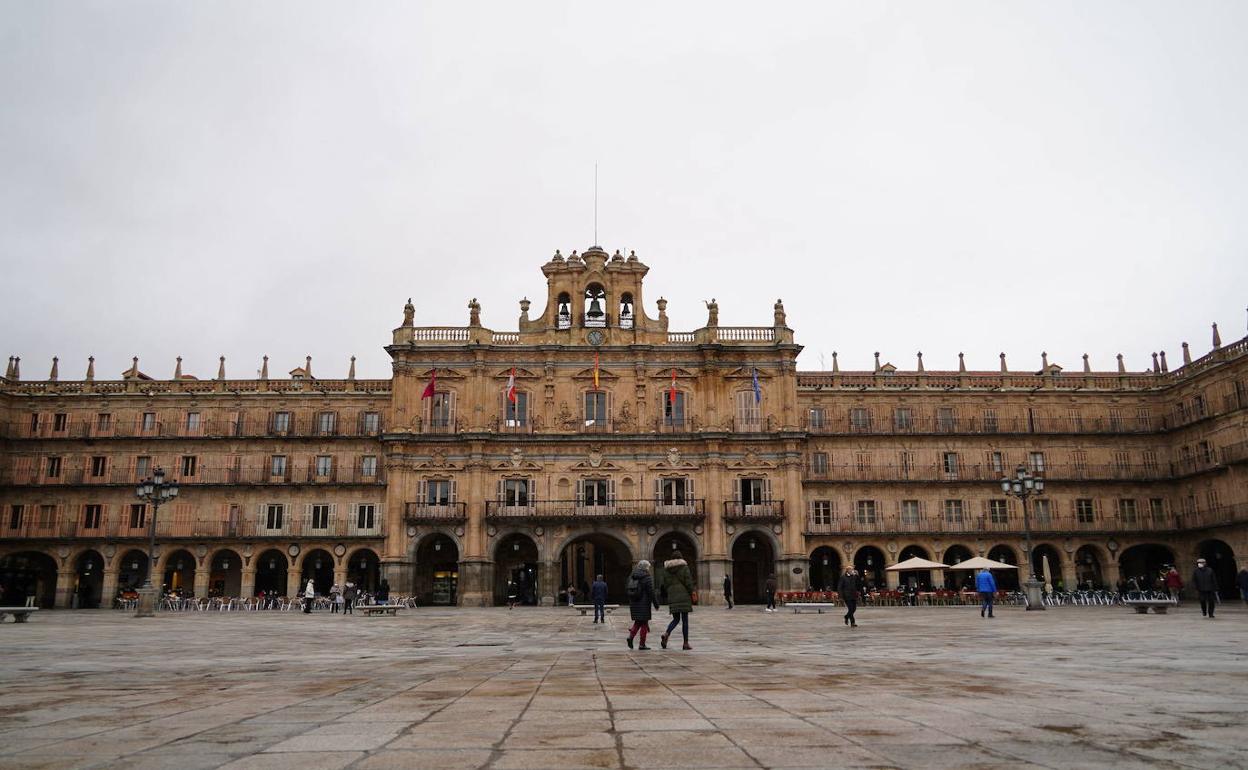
point(694, 597)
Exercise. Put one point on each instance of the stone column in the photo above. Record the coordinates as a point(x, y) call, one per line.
point(476, 583)
point(108, 589)
point(891, 579)
point(201, 582)
point(247, 588)
point(548, 583)
point(713, 591)
point(64, 588)
point(293, 586)
point(340, 573)
point(400, 574)
point(1110, 573)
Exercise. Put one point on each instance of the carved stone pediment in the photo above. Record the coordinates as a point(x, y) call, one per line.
point(438, 463)
point(751, 461)
point(666, 374)
point(521, 374)
point(517, 462)
point(603, 375)
point(444, 374)
point(596, 461)
point(746, 373)
point(673, 461)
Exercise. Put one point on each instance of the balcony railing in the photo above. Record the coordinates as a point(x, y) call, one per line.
point(122, 526)
point(768, 510)
point(298, 426)
point(926, 472)
point(418, 512)
point(970, 525)
point(204, 476)
point(874, 424)
point(690, 508)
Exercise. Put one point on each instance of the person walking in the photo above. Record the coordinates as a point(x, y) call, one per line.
point(348, 596)
point(571, 594)
point(770, 588)
point(1206, 584)
point(728, 590)
point(309, 594)
point(678, 583)
point(383, 592)
point(1174, 584)
point(598, 592)
point(335, 594)
point(641, 597)
point(1241, 581)
point(986, 586)
point(848, 587)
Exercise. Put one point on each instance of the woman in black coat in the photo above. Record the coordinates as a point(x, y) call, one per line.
point(640, 600)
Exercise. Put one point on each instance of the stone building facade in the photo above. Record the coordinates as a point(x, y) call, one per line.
point(516, 463)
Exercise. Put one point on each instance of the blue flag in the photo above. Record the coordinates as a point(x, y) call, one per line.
point(758, 392)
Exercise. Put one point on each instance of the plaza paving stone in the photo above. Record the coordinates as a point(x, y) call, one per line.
point(545, 688)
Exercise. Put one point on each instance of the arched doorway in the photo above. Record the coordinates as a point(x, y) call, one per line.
point(958, 578)
point(1088, 567)
point(824, 569)
point(225, 574)
point(753, 560)
point(132, 570)
point(437, 570)
point(597, 554)
point(1007, 579)
point(515, 570)
point(869, 561)
point(1218, 555)
point(179, 573)
point(364, 570)
point(26, 574)
point(271, 569)
point(920, 579)
point(88, 580)
point(1146, 564)
point(318, 565)
point(663, 549)
point(1042, 554)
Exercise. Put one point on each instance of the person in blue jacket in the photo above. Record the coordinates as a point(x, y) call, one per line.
point(598, 592)
point(986, 585)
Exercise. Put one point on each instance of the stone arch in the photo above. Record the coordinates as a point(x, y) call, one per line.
point(177, 568)
point(27, 573)
point(662, 548)
point(1219, 555)
point(318, 563)
point(824, 570)
point(363, 567)
point(225, 572)
point(517, 568)
point(272, 570)
point(1089, 565)
point(870, 561)
point(956, 554)
point(921, 579)
point(1008, 579)
point(1056, 564)
point(131, 568)
point(88, 588)
point(753, 553)
point(587, 554)
point(1145, 563)
point(436, 565)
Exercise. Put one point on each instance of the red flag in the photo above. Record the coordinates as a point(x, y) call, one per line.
point(511, 386)
point(431, 387)
point(671, 392)
point(595, 370)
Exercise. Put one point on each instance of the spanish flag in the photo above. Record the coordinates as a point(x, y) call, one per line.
point(595, 370)
point(432, 387)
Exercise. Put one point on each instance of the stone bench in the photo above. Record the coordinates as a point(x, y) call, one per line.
point(584, 608)
point(19, 613)
point(380, 609)
point(1141, 605)
point(816, 606)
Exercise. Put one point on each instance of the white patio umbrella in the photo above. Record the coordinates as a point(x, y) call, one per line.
point(980, 562)
point(915, 562)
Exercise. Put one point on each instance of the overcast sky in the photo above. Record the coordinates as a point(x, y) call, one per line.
point(205, 179)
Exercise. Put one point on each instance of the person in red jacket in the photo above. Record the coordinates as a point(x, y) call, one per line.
point(1174, 584)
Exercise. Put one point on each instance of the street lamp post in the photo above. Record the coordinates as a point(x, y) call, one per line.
point(153, 491)
point(1023, 485)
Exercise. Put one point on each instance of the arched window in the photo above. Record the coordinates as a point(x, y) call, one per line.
point(563, 316)
point(595, 297)
point(626, 310)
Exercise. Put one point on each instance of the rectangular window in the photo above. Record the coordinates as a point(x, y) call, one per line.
point(749, 414)
point(320, 516)
point(1115, 420)
point(949, 464)
point(366, 516)
point(1204, 452)
point(998, 511)
point(996, 461)
point(673, 411)
point(906, 463)
point(277, 465)
point(324, 465)
point(368, 466)
point(281, 422)
point(1042, 510)
point(99, 466)
point(1198, 406)
point(819, 464)
point(371, 423)
point(91, 516)
point(274, 516)
point(1076, 420)
point(54, 467)
point(103, 422)
point(910, 512)
point(1143, 419)
point(192, 422)
point(673, 491)
point(1150, 461)
point(516, 413)
point(752, 491)
point(1037, 462)
point(990, 421)
point(15, 516)
point(1122, 461)
point(1126, 510)
point(326, 422)
point(1079, 459)
point(862, 462)
point(865, 512)
point(821, 512)
point(953, 511)
point(945, 421)
point(1157, 509)
point(189, 465)
point(138, 515)
point(516, 493)
point(148, 421)
point(595, 407)
point(903, 419)
point(859, 419)
point(816, 418)
point(47, 515)
point(1085, 512)
point(594, 492)
point(142, 466)
point(440, 412)
point(438, 491)
point(34, 424)
point(60, 421)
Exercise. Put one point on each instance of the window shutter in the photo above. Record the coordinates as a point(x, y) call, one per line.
point(1096, 508)
point(580, 492)
point(333, 513)
point(532, 489)
point(611, 491)
point(658, 491)
point(689, 490)
point(450, 409)
point(767, 490)
point(736, 490)
point(422, 492)
point(501, 498)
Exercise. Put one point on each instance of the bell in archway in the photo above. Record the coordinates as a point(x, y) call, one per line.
point(595, 309)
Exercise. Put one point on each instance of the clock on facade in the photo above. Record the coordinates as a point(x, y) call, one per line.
point(596, 337)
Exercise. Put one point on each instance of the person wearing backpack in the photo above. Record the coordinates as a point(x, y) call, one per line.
point(598, 592)
point(640, 599)
point(678, 582)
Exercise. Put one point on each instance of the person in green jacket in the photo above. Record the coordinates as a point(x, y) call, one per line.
point(678, 583)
